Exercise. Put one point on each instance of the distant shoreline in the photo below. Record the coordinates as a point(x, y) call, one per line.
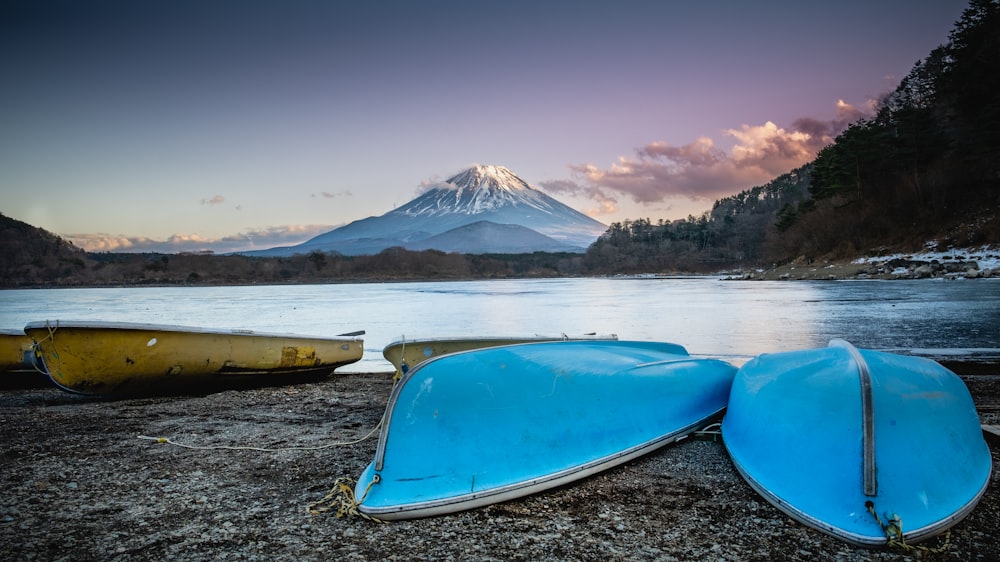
point(965, 263)
point(782, 273)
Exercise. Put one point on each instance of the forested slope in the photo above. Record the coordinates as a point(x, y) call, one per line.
point(925, 166)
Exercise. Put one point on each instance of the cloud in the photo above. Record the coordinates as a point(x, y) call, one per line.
point(328, 195)
point(771, 150)
point(218, 199)
point(606, 203)
point(102, 242)
point(824, 132)
point(255, 239)
point(698, 171)
point(434, 182)
point(701, 170)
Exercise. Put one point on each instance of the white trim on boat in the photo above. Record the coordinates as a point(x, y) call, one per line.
point(138, 326)
point(914, 535)
point(531, 486)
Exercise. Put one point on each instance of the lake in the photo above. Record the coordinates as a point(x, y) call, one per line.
point(733, 320)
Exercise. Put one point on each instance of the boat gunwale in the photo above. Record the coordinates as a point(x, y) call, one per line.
point(537, 338)
point(222, 375)
point(398, 360)
point(915, 535)
point(533, 485)
point(194, 330)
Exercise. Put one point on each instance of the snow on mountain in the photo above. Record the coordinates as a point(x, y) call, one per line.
point(482, 193)
point(479, 190)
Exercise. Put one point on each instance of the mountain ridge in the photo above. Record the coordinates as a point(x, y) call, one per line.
point(501, 238)
point(482, 193)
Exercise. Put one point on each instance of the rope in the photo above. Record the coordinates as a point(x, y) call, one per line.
point(893, 530)
point(52, 330)
point(37, 361)
point(342, 494)
point(711, 431)
point(342, 498)
point(263, 449)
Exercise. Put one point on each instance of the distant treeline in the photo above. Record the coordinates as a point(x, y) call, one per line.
point(44, 260)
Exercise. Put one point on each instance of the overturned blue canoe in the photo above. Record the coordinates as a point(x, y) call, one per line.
point(866, 446)
point(479, 427)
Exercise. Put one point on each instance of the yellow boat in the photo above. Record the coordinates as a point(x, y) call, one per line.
point(126, 358)
point(405, 354)
point(17, 368)
point(15, 352)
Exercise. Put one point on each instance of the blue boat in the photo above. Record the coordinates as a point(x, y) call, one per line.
point(478, 427)
point(873, 448)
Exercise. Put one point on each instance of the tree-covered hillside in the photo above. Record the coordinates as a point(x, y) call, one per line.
point(734, 233)
point(927, 165)
point(30, 255)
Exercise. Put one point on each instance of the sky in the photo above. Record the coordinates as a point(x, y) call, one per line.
point(223, 125)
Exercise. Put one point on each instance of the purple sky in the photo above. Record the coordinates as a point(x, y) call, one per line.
point(189, 125)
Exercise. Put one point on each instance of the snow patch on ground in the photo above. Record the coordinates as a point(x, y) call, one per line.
point(988, 257)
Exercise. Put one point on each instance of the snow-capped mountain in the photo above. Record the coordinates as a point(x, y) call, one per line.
point(481, 194)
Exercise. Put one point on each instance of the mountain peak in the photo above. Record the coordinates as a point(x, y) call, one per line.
point(481, 188)
point(486, 176)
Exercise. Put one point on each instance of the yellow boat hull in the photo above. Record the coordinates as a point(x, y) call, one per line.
point(112, 358)
point(17, 365)
point(407, 354)
point(15, 351)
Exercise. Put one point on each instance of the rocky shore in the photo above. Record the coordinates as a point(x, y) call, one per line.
point(88, 479)
point(902, 267)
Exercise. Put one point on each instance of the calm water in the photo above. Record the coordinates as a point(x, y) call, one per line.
point(734, 320)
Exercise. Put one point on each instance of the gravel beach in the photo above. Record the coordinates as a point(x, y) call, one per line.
point(85, 479)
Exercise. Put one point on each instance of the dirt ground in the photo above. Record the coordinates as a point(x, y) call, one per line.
point(81, 480)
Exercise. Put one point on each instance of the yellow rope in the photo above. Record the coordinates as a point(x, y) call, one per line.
point(342, 494)
point(36, 348)
point(52, 329)
point(342, 498)
point(893, 530)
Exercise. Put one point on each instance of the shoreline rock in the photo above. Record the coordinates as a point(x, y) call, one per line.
point(968, 263)
point(892, 269)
